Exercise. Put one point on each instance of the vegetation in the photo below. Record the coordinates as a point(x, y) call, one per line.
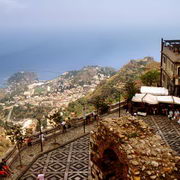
point(100, 104)
point(125, 79)
point(77, 106)
point(151, 78)
point(55, 120)
point(40, 114)
point(16, 136)
point(86, 74)
point(39, 91)
point(130, 90)
point(22, 78)
point(99, 101)
point(28, 111)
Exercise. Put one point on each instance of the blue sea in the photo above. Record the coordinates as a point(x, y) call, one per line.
point(51, 53)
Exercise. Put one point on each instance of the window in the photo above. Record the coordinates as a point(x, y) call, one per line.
point(179, 71)
point(164, 60)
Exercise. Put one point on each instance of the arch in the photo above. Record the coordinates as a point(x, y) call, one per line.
point(112, 168)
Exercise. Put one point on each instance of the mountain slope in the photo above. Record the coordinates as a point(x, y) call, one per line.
point(89, 76)
point(131, 71)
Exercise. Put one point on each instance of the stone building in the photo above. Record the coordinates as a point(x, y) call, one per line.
point(170, 66)
point(127, 149)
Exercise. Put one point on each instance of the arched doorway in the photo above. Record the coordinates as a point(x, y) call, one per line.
point(111, 167)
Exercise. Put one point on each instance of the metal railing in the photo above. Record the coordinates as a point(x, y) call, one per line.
point(12, 154)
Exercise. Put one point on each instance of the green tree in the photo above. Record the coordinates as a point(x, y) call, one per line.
point(55, 121)
point(100, 104)
point(151, 78)
point(130, 90)
point(16, 136)
point(77, 107)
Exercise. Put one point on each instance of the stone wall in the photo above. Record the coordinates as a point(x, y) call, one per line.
point(127, 149)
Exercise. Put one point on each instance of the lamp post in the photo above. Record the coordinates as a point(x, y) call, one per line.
point(119, 98)
point(41, 138)
point(84, 117)
point(38, 116)
point(119, 103)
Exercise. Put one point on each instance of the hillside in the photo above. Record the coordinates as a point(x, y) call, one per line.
point(136, 68)
point(107, 92)
point(131, 71)
point(87, 76)
point(22, 78)
point(56, 93)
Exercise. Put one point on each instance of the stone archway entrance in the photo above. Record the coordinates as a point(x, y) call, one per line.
point(111, 167)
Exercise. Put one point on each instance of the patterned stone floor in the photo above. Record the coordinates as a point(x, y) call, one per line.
point(169, 130)
point(68, 162)
point(71, 162)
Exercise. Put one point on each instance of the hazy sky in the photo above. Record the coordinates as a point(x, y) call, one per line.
point(53, 36)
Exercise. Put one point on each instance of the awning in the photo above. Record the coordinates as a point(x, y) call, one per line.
point(151, 99)
point(146, 98)
point(161, 91)
point(168, 99)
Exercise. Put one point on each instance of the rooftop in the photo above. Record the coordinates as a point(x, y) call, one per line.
point(173, 45)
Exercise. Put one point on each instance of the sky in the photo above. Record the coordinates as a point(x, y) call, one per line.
point(50, 37)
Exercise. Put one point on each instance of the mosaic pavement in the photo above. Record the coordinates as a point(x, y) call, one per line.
point(169, 130)
point(68, 162)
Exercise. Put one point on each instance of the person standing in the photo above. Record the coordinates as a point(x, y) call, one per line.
point(29, 141)
point(170, 116)
point(6, 167)
point(41, 137)
point(64, 126)
point(40, 176)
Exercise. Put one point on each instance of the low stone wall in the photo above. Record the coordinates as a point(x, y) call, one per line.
point(126, 148)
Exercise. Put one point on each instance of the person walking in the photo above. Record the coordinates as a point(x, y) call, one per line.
point(40, 176)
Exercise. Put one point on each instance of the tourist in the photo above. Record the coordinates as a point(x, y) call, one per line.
point(29, 141)
point(6, 167)
point(170, 115)
point(155, 110)
point(41, 137)
point(40, 176)
point(64, 126)
point(178, 121)
point(3, 173)
point(176, 114)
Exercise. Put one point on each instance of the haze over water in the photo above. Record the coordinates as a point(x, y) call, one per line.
point(51, 37)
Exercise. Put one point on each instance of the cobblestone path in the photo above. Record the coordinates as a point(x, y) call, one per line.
point(169, 130)
point(68, 162)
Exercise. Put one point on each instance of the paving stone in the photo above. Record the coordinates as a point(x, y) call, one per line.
point(170, 130)
point(69, 162)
